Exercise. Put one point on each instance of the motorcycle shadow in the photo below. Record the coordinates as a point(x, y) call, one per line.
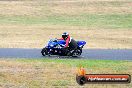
point(62, 57)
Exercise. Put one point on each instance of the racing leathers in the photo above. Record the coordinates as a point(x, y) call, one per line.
point(71, 45)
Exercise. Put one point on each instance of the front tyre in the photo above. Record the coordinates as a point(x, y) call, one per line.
point(44, 52)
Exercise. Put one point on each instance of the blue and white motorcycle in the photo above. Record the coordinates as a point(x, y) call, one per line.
point(55, 46)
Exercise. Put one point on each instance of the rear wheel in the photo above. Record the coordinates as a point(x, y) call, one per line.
point(77, 53)
point(44, 52)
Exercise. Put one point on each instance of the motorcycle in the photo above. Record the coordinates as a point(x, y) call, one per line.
point(55, 46)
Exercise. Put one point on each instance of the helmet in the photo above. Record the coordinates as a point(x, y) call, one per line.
point(65, 35)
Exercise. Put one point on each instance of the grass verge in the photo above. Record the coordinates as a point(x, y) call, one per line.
point(43, 73)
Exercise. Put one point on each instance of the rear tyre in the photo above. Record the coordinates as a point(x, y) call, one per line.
point(44, 52)
point(77, 53)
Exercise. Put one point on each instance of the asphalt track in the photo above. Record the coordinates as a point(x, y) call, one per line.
point(109, 54)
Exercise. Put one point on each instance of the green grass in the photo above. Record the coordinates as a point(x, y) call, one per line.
point(118, 65)
point(85, 20)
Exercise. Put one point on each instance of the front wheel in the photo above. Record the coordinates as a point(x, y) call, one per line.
point(44, 52)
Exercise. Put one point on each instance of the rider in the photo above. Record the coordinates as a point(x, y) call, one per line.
point(71, 44)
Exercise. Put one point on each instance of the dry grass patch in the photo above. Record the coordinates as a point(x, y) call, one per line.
point(34, 74)
point(11, 8)
point(48, 7)
point(37, 36)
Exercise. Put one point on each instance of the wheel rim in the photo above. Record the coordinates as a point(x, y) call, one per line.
point(78, 53)
point(43, 53)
